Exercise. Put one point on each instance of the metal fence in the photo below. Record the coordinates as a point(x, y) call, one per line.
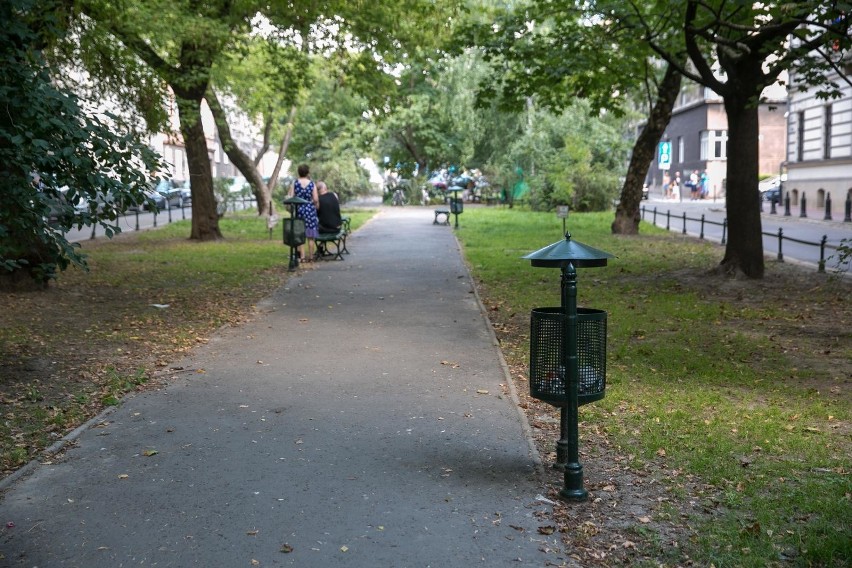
point(233, 203)
point(823, 243)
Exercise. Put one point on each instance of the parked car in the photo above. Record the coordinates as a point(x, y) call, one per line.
point(153, 201)
point(770, 195)
point(57, 209)
point(770, 189)
point(185, 194)
point(172, 196)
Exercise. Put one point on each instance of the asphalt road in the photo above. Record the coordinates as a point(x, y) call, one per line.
point(810, 230)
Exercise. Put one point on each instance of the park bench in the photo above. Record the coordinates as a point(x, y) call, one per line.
point(337, 241)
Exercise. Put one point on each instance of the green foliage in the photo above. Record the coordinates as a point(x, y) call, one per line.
point(59, 165)
point(330, 132)
point(567, 159)
point(266, 79)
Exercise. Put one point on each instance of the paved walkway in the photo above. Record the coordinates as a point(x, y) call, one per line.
point(361, 419)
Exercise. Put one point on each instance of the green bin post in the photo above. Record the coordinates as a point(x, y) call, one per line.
point(568, 354)
point(456, 204)
point(290, 235)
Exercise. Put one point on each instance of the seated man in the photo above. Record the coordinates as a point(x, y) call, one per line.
point(328, 210)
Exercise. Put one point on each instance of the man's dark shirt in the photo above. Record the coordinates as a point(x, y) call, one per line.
point(329, 213)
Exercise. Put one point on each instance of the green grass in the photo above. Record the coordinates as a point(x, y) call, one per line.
point(697, 375)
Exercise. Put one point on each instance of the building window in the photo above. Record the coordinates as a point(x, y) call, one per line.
point(826, 148)
point(713, 145)
point(800, 139)
point(680, 156)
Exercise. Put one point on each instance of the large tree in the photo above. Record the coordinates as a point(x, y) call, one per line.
point(182, 41)
point(60, 165)
point(559, 50)
point(260, 82)
point(433, 120)
point(182, 54)
point(752, 43)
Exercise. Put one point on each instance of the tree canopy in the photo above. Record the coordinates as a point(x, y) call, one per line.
point(752, 44)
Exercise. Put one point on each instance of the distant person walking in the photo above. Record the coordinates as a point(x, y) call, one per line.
point(304, 187)
point(705, 185)
point(694, 185)
point(675, 186)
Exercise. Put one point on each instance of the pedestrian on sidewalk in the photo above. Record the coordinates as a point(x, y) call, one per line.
point(304, 187)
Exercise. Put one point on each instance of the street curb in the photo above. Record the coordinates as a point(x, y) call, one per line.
point(55, 448)
point(513, 393)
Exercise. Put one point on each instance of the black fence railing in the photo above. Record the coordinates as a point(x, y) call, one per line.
point(233, 203)
point(823, 243)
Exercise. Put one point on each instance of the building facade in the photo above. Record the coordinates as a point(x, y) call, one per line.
point(697, 137)
point(819, 148)
point(246, 135)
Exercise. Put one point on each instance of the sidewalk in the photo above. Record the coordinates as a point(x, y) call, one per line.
point(360, 420)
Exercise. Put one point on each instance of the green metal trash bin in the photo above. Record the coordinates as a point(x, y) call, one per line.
point(294, 232)
point(547, 361)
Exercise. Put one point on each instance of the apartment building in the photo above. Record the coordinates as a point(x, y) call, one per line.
point(819, 149)
point(697, 138)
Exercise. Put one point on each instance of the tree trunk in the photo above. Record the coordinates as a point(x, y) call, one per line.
point(627, 212)
point(240, 159)
point(282, 151)
point(744, 250)
point(205, 220)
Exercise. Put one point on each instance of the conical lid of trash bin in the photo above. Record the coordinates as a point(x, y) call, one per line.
point(455, 188)
point(294, 201)
point(564, 252)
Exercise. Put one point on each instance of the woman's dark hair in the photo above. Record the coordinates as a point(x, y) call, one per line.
point(304, 170)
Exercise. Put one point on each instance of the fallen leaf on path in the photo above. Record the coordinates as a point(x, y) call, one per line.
point(286, 548)
point(149, 453)
point(546, 530)
point(481, 391)
point(252, 533)
point(344, 548)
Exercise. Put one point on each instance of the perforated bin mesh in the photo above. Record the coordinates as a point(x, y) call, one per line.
point(294, 236)
point(547, 372)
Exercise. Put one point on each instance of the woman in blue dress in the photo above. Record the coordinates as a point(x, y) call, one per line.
point(304, 187)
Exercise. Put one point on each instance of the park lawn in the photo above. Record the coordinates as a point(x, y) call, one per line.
point(732, 394)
